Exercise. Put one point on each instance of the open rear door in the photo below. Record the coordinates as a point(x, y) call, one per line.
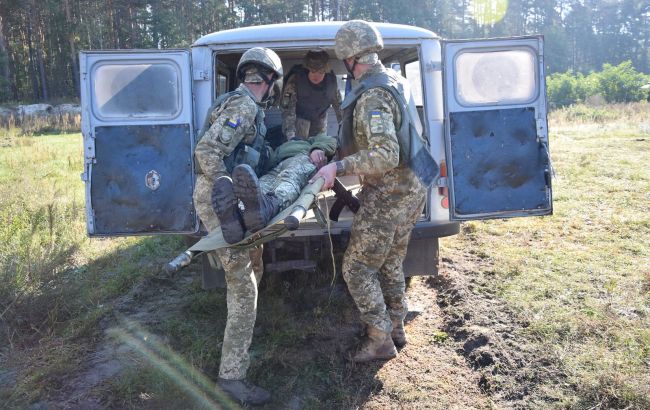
point(496, 138)
point(137, 129)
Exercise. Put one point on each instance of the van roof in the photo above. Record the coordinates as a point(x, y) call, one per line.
point(316, 31)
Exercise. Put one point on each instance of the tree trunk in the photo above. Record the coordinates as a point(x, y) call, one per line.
point(41, 61)
point(32, 63)
point(6, 67)
point(73, 50)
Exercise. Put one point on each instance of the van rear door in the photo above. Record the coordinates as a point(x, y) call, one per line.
point(137, 130)
point(496, 138)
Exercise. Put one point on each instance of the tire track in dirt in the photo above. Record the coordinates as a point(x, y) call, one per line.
point(428, 372)
point(465, 349)
point(511, 367)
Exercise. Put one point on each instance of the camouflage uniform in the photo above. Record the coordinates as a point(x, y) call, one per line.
point(243, 268)
point(294, 168)
point(391, 198)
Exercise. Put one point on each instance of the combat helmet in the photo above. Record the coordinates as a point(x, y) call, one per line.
point(359, 39)
point(316, 60)
point(255, 65)
point(258, 61)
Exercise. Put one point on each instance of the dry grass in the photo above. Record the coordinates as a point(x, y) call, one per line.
point(624, 113)
point(54, 280)
point(580, 277)
point(19, 125)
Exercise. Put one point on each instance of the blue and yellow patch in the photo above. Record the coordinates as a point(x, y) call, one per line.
point(233, 123)
point(229, 130)
point(376, 122)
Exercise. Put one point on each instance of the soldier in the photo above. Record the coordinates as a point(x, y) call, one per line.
point(234, 134)
point(263, 198)
point(392, 196)
point(308, 93)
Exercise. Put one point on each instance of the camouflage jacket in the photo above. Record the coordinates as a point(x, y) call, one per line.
point(376, 118)
point(295, 147)
point(232, 122)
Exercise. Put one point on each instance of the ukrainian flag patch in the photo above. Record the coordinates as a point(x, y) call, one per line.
point(376, 122)
point(233, 123)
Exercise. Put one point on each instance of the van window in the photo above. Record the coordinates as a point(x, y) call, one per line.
point(222, 83)
point(137, 90)
point(412, 70)
point(221, 77)
point(496, 77)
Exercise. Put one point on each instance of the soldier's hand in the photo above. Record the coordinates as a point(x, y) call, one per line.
point(328, 173)
point(318, 158)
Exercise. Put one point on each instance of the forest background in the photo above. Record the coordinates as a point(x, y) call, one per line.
point(40, 40)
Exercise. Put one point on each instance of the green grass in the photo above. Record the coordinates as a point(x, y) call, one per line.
point(582, 276)
point(54, 280)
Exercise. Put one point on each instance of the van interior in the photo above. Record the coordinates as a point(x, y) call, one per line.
point(404, 60)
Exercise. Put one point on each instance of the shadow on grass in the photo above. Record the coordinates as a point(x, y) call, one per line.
point(116, 332)
point(307, 328)
point(53, 314)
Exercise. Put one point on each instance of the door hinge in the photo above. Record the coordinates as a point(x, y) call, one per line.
point(541, 128)
point(91, 220)
point(201, 75)
point(89, 144)
point(433, 66)
point(85, 176)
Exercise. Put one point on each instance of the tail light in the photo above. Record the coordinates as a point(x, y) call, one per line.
point(443, 190)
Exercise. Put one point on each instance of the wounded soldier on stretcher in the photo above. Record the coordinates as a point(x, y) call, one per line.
point(247, 202)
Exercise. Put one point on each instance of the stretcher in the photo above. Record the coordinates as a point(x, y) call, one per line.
point(287, 220)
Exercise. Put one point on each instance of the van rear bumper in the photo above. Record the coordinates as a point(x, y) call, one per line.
point(422, 229)
point(422, 255)
point(427, 229)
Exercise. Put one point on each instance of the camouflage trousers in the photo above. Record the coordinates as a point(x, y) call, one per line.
point(372, 264)
point(287, 179)
point(244, 267)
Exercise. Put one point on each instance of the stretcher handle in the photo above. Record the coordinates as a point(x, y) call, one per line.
point(292, 222)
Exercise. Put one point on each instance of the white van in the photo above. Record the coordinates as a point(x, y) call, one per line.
point(482, 104)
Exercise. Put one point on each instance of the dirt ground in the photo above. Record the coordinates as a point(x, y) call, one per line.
point(466, 350)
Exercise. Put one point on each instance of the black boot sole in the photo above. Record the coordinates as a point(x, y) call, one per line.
point(224, 204)
point(246, 187)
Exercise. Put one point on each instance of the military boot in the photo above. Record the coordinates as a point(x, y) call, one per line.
point(378, 345)
point(244, 391)
point(398, 334)
point(225, 206)
point(259, 208)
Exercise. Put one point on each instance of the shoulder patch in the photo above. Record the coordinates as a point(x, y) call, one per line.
point(376, 122)
point(232, 123)
point(225, 136)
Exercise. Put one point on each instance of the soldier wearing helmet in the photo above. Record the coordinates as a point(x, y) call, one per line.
point(233, 134)
point(308, 93)
point(392, 196)
point(230, 155)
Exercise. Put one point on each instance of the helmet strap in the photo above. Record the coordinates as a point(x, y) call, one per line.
point(350, 69)
point(269, 82)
